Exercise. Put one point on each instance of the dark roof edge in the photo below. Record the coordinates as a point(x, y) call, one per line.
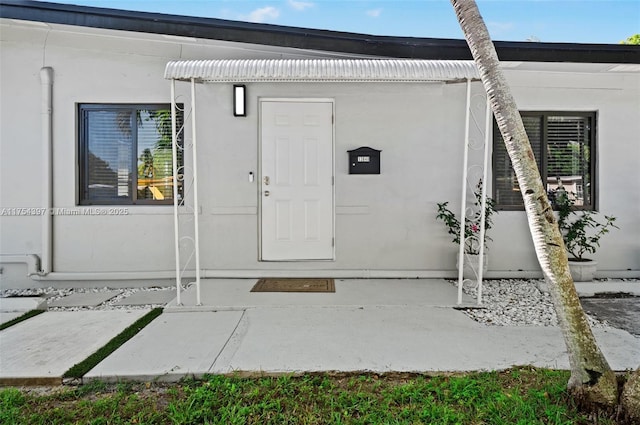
point(311, 39)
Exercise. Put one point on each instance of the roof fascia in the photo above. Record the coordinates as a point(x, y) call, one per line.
point(309, 39)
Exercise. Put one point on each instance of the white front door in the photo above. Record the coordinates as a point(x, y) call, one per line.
point(296, 185)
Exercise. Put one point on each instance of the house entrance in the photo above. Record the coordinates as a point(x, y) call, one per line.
point(296, 182)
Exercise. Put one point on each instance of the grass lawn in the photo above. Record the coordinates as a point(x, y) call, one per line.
point(517, 396)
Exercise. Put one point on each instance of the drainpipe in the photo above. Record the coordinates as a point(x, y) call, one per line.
point(31, 260)
point(46, 82)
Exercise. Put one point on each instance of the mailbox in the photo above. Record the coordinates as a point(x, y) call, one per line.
point(364, 160)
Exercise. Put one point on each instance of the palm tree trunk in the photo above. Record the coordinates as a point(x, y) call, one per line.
point(591, 379)
point(630, 398)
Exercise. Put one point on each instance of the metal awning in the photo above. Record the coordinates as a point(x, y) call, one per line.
point(315, 70)
point(320, 70)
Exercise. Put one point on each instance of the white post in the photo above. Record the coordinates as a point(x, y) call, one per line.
point(463, 207)
point(174, 153)
point(487, 129)
point(46, 82)
point(195, 188)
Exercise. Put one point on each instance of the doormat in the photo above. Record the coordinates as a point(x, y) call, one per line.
point(294, 285)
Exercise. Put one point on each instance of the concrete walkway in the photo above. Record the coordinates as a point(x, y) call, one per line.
point(12, 308)
point(367, 325)
point(41, 349)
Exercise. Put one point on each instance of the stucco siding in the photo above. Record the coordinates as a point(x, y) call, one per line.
point(382, 222)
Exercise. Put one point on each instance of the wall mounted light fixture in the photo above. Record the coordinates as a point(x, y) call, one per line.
point(239, 100)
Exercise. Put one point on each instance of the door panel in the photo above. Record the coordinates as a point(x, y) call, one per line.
point(297, 210)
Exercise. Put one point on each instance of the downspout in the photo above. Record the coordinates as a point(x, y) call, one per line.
point(46, 82)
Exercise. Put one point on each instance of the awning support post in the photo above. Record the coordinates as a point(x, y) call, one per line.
point(487, 129)
point(174, 154)
point(196, 205)
point(463, 202)
point(478, 269)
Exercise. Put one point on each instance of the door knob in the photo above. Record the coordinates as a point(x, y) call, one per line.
point(266, 193)
point(266, 180)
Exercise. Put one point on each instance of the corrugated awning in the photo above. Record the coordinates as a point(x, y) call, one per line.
point(320, 70)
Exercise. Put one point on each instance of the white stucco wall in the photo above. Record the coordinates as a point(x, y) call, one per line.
point(616, 100)
point(383, 222)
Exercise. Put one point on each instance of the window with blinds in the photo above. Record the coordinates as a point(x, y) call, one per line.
point(125, 154)
point(563, 143)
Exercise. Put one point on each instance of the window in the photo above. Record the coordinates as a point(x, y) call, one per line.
point(564, 146)
point(125, 154)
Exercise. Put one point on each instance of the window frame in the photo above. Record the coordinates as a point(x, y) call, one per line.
point(543, 166)
point(83, 153)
